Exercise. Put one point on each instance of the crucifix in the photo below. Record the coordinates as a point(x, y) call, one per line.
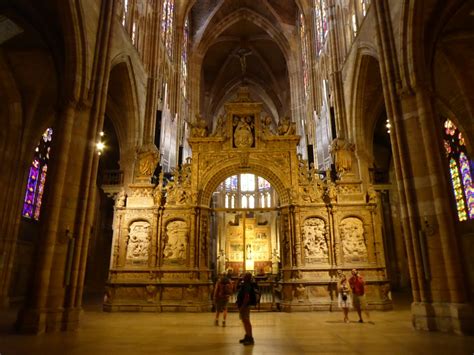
point(241, 53)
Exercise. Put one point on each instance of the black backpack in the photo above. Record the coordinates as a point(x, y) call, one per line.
point(254, 294)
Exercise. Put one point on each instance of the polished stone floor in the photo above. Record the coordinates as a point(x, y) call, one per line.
point(274, 332)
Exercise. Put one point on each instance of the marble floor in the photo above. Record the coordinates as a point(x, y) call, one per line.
point(275, 333)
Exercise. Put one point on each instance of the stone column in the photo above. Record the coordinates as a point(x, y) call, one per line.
point(34, 316)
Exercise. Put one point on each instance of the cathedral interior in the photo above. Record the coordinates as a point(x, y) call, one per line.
point(151, 145)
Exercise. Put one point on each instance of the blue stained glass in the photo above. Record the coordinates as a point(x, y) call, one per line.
point(37, 178)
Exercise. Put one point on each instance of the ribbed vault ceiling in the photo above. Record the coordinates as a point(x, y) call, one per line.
point(244, 42)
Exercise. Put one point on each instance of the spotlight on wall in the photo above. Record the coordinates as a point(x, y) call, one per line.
point(100, 145)
point(388, 125)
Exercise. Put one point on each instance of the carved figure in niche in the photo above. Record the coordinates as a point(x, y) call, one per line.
point(331, 192)
point(176, 241)
point(266, 125)
point(371, 194)
point(138, 241)
point(148, 157)
point(243, 136)
point(199, 129)
point(300, 293)
point(315, 240)
point(120, 199)
point(151, 291)
point(342, 155)
point(286, 127)
point(354, 245)
point(220, 127)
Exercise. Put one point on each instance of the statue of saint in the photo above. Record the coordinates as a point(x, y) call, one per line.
point(199, 129)
point(286, 127)
point(243, 137)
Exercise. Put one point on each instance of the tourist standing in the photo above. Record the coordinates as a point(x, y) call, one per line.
point(358, 291)
point(344, 297)
point(247, 297)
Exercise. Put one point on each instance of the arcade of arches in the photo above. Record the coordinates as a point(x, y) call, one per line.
point(149, 145)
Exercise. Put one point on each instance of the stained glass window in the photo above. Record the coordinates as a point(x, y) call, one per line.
point(184, 58)
point(304, 55)
point(320, 24)
point(37, 177)
point(246, 190)
point(363, 5)
point(247, 182)
point(460, 169)
point(125, 12)
point(263, 184)
point(167, 28)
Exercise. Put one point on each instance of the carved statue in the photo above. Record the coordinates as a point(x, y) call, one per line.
point(147, 157)
point(138, 241)
point(176, 241)
point(220, 127)
point(120, 198)
point(300, 293)
point(266, 125)
point(342, 155)
point(371, 194)
point(243, 136)
point(286, 127)
point(151, 291)
point(199, 129)
point(331, 192)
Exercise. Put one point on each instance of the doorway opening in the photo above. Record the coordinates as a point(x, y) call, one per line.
point(245, 230)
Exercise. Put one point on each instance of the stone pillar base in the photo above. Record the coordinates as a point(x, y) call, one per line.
point(34, 321)
point(446, 317)
point(31, 321)
point(71, 318)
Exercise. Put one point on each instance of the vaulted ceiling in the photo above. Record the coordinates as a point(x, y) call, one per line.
point(244, 42)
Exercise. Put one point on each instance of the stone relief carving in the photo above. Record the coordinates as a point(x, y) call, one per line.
point(345, 189)
point(354, 244)
point(199, 129)
point(178, 189)
point(371, 194)
point(342, 155)
point(243, 132)
point(151, 291)
point(120, 199)
point(219, 131)
point(286, 127)
point(147, 159)
point(300, 294)
point(315, 241)
point(138, 241)
point(266, 126)
point(176, 241)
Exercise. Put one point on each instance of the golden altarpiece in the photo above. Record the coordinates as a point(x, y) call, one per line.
point(165, 249)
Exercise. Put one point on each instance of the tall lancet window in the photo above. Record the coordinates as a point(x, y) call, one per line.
point(320, 24)
point(184, 58)
point(460, 168)
point(37, 177)
point(167, 27)
point(304, 55)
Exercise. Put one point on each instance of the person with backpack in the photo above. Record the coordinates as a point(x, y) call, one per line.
point(222, 292)
point(247, 296)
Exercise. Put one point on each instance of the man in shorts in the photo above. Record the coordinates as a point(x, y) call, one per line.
point(358, 294)
point(244, 302)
